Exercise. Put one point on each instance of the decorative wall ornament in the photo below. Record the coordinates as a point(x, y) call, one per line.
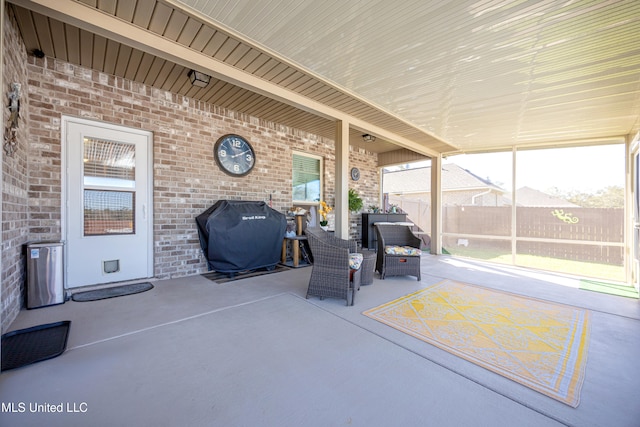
point(11, 129)
point(566, 217)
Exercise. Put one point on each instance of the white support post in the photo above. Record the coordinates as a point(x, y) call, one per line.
point(514, 203)
point(436, 205)
point(631, 249)
point(342, 182)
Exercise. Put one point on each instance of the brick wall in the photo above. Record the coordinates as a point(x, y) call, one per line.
point(186, 178)
point(14, 178)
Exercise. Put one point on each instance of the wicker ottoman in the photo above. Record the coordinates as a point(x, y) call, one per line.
point(396, 265)
point(368, 267)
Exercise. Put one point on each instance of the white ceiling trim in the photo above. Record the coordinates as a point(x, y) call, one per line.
point(584, 142)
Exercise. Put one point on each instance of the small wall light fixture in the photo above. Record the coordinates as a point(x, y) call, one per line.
point(368, 138)
point(199, 79)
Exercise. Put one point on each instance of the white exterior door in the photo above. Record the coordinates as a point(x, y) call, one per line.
point(108, 225)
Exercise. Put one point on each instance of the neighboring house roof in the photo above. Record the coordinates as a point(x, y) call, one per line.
point(527, 196)
point(418, 180)
point(454, 177)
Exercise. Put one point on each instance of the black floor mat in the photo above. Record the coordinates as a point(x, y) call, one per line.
point(218, 277)
point(112, 292)
point(35, 344)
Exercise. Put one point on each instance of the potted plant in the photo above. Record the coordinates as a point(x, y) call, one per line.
point(355, 202)
point(323, 210)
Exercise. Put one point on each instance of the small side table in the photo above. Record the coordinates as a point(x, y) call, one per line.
point(296, 241)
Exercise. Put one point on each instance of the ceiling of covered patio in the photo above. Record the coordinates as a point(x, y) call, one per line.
point(430, 76)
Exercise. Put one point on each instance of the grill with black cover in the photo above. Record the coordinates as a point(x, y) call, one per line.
point(237, 236)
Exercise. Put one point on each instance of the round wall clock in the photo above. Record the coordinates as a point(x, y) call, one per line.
point(234, 155)
point(355, 174)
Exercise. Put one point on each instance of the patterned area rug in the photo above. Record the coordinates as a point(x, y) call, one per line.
point(539, 344)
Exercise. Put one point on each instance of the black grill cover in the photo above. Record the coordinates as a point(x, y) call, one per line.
point(241, 235)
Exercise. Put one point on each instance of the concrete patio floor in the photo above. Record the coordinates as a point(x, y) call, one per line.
point(255, 352)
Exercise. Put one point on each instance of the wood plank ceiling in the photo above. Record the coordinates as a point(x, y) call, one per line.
point(447, 75)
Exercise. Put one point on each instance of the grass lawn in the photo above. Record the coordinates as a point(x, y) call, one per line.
point(578, 268)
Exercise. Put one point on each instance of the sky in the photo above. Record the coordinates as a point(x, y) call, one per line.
point(582, 169)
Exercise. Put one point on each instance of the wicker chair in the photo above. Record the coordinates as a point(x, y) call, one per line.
point(331, 275)
point(396, 264)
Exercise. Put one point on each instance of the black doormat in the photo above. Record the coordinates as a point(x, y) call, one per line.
point(219, 277)
point(112, 292)
point(35, 344)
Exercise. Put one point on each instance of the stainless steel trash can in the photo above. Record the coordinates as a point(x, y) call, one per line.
point(45, 280)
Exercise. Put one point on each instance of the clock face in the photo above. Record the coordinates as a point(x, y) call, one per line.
point(355, 174)
point(234, 155)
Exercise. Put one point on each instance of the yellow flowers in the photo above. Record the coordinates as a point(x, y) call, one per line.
point(323, 210)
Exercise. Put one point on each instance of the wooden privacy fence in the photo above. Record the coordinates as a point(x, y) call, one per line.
point(580, 234)
point(418, 211)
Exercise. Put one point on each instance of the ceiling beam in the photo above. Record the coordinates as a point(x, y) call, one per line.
point(583, 142)
point(93, 20)
point(399, 157)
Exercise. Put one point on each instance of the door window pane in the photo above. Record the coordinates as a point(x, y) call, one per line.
point(109, 163)
point(108, 212)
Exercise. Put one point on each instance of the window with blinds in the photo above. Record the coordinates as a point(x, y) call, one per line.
point(109, 163)
point(307, 178)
